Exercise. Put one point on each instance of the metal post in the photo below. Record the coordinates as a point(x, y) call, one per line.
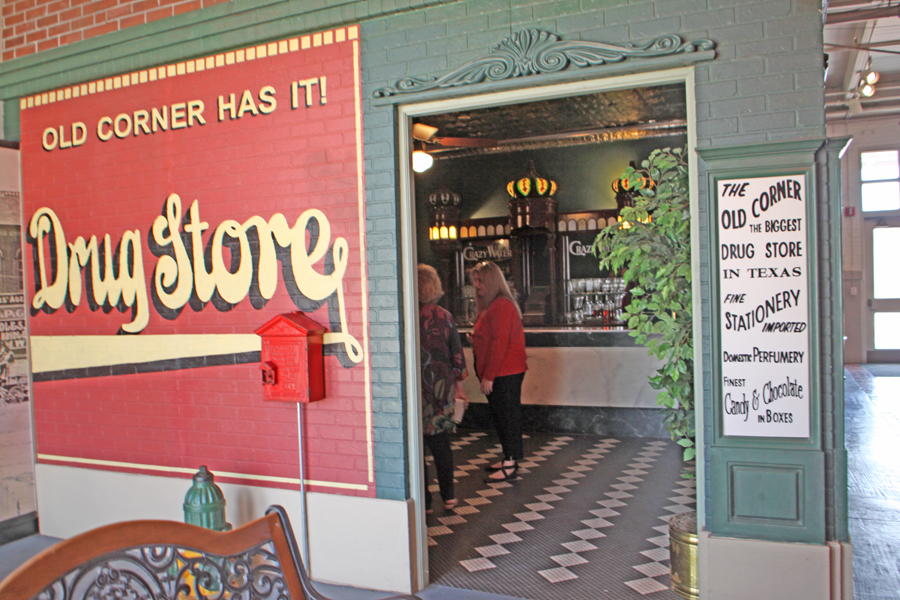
point(303, 514)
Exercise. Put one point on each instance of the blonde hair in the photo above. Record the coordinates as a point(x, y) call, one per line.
point(494, 285)
point(430, 290)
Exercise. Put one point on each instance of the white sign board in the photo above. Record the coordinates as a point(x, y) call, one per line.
point(764, 306)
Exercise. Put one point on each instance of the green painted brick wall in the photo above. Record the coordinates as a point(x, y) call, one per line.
point(765, 84)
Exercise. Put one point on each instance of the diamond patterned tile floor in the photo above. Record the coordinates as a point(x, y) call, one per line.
point(582, 522)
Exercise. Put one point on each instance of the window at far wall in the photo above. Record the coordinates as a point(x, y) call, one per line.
point(880, 175)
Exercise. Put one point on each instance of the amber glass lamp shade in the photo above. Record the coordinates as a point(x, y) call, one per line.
point(443, 223)
point(531, 185)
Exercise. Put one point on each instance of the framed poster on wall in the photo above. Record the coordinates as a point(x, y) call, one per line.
point(764, 306)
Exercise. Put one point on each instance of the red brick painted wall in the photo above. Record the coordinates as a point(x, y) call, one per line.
point(31, 26)
point(112, 401)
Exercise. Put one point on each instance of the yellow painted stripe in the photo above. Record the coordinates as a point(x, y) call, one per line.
point(58, 353)
point(125, 465)
point(186, 68)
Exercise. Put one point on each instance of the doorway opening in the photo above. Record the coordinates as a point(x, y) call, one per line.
point(580, 136)
point(880, 202)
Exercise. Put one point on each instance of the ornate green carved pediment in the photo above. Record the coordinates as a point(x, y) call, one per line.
point(536, 52)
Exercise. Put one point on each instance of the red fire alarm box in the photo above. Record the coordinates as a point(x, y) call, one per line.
point(291, 361)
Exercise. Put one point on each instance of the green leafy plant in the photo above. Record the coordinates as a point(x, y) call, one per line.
point(652, 252)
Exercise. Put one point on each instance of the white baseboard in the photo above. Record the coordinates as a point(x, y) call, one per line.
point(737, 569)
point(360, 542)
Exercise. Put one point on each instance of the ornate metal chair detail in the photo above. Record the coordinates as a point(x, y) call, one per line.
point(167, 560)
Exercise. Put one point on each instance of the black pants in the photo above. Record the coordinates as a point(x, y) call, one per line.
point(505, 401)
point(439, 446)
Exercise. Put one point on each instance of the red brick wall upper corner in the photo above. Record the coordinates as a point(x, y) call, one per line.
point(30, 26)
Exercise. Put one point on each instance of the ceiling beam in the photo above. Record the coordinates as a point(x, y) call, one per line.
point(851, 16)
point(854, 4)
point(867, 47)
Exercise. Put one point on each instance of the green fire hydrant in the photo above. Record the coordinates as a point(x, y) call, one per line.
point(204, 503)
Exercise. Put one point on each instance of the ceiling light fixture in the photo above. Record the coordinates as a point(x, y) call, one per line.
point(421, 161)
point(868, 75)
point(867, 80)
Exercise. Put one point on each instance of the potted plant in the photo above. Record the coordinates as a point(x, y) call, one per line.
point(650, 248)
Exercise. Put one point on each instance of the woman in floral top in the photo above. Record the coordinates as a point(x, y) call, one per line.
point(443, 370)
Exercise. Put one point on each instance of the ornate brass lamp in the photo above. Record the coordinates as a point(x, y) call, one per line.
point(532, 216)
point(443, 235)
point(626, 191)
point(443, 222)
point(532, 202)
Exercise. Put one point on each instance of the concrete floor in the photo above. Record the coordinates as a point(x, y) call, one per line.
point(16, 472)
point(872, 437)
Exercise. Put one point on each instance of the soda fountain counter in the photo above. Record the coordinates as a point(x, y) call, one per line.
point(580, 367)
point(579, 351)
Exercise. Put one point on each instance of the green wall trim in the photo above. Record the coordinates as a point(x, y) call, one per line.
point(761, 160)
point(768, 494)
point(765, 487)
point(836, 505)
point(752, 502)
point(736, 156)
point(194, 34)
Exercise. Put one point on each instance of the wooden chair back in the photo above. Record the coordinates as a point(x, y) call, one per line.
point(167, 560)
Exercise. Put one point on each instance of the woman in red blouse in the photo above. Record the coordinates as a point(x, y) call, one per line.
point(498, 343)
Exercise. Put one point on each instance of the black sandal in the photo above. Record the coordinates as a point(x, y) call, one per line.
point(508, 473)
point(493, 469)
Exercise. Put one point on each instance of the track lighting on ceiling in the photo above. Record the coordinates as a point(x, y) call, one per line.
point(866, 89)
point(868, 75)
point(867, 80)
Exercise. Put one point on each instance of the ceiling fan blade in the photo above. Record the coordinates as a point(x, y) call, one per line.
point(423, 132)
point(465, 142)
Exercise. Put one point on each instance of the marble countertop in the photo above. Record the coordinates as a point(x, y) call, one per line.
point(572, 337)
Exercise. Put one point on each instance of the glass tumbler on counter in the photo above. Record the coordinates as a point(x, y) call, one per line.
point(579, 309)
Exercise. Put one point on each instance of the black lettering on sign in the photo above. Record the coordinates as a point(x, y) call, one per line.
point(737, 251)
point(779, 417)
point(769, 272)
point(776, 391)
point(784, 249)
point(737, 407)
point(777, 356)
point(734, 219)
point(782, 225)
point(784, 327)
point(780, 301)
point(789, 188)
point(735, 189)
